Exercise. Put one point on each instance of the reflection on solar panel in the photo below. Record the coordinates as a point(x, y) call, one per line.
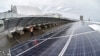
point(82, 29)
point(84, 42)
point(37, 50)
point(30, 44)
point(24, 46)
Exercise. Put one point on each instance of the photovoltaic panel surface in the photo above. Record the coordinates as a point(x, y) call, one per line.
point(29, 44)
point(48, 48)
point(84, 45)
point(84, 42)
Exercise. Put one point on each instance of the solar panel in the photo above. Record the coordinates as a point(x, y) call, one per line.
point(29, 44)
point(82, 29)
point(84, 42)
point(37, 50)
point(22, 47)
point(47, 48)
point(84, 45)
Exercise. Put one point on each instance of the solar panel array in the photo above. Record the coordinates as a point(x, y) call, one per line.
point(84, 45)
point(84, 42)
point(37, 50)
point(28, 44)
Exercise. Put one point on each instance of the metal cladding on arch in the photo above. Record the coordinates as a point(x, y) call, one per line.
point(26, 10)
point(23, 21)
point(18, 25)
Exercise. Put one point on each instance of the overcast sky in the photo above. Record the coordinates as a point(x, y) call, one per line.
point(69, 8)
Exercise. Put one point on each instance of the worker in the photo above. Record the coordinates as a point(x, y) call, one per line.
point(31, 30)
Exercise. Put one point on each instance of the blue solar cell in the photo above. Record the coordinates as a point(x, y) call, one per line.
point(98, 53)
point(89, 54)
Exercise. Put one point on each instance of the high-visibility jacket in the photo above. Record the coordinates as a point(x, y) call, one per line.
point(31, 29)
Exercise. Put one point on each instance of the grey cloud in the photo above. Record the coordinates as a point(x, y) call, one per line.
point(70, 8)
